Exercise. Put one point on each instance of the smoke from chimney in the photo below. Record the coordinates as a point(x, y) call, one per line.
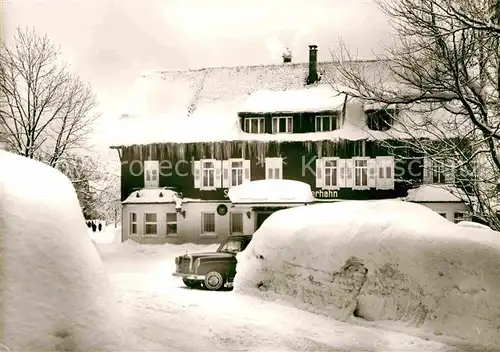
point(275, 47)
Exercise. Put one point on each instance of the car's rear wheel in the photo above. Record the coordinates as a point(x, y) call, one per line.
point(190, 283)
point(214, 281)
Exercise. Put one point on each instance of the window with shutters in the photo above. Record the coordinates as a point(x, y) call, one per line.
point(150, 224)
point(151, 171)
point(282, 124)
point(207, 174)
point(254, 125)
point(133, 223)
point(360, 173)
point(330, 172)
point(274, 168)
point(236, 223)
point(236, 172)
point(207, 223)
point(171, 224)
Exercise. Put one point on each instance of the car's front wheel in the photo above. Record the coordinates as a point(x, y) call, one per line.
point(190, 283)
point(213, 281)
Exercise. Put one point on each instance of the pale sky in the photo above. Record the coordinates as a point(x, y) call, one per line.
point(109, 42)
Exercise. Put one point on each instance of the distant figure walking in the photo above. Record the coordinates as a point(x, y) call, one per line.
point(94, 228)
point(99, 227)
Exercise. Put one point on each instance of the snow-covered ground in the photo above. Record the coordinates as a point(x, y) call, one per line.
point(163, 314)
point(66, 288)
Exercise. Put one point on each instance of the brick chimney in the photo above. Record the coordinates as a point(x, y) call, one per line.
point(313, 64)
point(287, 56)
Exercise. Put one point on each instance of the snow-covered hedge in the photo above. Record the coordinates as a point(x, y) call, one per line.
point(54, 292)
point(379, 260)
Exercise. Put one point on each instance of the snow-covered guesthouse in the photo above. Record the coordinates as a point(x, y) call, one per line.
point(211, 152)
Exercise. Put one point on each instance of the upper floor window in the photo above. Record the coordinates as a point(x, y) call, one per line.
point(151, 171)
point(439, 170)
point(235, 172)
point(357, 173)
point(324, 123)
point(361, 173)
point(274, 168)
point(282, 124)
point(380, 120)
point(254, 125)
point(331, 168)
point(207, 174)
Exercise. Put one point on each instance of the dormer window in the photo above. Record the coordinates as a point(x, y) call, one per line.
point(324, 123)
point(254, 125)
point(380, 120)
point(282, 124)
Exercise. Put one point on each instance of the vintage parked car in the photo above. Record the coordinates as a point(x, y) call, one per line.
point(213, 270)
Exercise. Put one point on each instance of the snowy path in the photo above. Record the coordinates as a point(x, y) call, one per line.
point(166, 316)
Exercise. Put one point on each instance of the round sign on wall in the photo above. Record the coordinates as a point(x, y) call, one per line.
point(222, 209)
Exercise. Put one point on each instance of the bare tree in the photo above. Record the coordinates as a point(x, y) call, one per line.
point(443, 74)
point(45, 110)
point(97, 189)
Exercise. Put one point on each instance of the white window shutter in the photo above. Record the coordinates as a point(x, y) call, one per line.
point(319, 173)
point(279, 167)
point(380, 172)
point(390, 177)
point(269, 168)
point(218, 173)
point(246, 171)
point(197, 174)
point(372, 170)
point(349, 176)
point(427, 171)
point(225, 173)
point(341, 173)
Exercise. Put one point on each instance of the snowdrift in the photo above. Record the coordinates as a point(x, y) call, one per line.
point(379, 260)
point(54, 292)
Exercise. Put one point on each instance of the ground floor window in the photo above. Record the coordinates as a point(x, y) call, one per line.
point(133, 223)
point(208, 222)
point(236, 223)
point(171, 224)
point(458, 216)
point(150, 224)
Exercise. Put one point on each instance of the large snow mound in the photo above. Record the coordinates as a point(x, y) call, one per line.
point(379, 260)
point(54, 292)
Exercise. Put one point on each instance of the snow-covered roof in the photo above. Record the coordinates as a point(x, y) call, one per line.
point(271, 192)
point(152, 195)
point(190, 106)
point(435, 194)
point(316, 98)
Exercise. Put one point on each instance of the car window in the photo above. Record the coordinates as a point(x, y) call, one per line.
point(231, 246)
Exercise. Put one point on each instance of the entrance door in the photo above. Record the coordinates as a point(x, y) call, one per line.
point(261, 216)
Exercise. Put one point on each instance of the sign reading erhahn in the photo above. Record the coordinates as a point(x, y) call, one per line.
point(320, 193)
point(325, 193)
